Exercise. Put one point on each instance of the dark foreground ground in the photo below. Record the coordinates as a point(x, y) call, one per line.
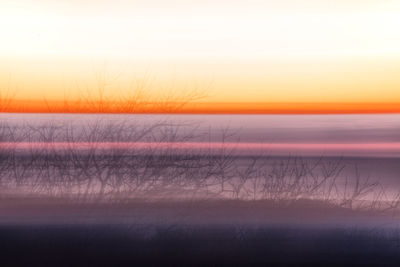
point(205, 245)
point(213, 233)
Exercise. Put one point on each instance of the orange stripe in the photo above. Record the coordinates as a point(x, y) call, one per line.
point(31, 106)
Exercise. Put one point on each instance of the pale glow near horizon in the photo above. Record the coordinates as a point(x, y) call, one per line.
point(183, 33)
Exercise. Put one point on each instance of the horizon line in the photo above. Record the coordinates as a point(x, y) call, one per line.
point(176, 107)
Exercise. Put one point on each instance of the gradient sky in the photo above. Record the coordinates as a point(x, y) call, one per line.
point(239, 51)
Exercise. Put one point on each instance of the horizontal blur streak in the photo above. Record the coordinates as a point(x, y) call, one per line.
point(32, 106)
point(360, 149)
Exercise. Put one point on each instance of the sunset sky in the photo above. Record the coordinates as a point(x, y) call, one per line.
point(285, 51)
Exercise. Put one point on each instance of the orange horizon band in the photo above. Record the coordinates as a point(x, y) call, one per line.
point(37, 106)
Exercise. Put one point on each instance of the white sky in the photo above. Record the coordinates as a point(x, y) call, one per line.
point(252, 50)
point(187, 30)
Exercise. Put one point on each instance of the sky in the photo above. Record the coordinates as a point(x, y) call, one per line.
point(230, 51)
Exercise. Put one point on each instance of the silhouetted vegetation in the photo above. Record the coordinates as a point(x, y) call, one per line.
point(99, 170)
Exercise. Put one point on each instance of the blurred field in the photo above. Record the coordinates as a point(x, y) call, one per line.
point(115, 189)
